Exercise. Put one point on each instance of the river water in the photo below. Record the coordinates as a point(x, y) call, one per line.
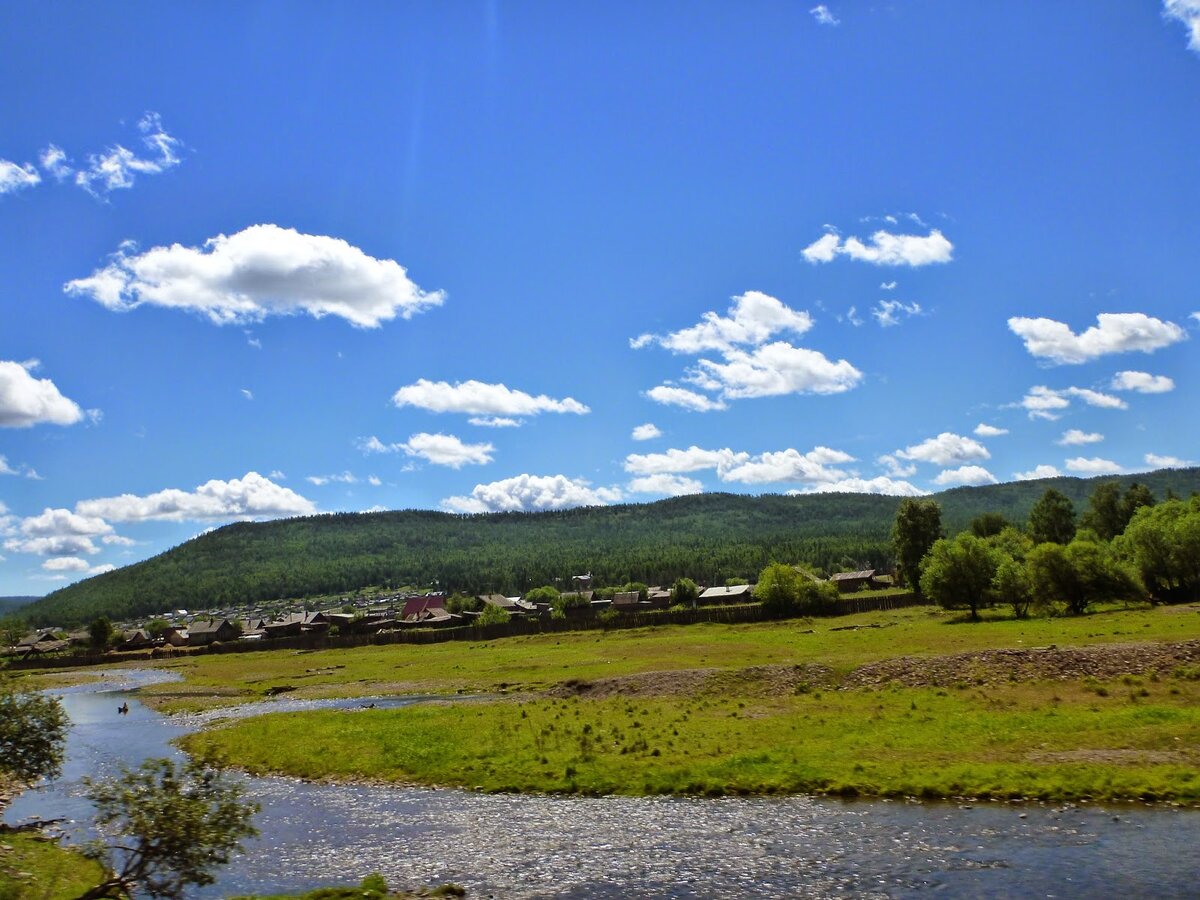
point(530, 846)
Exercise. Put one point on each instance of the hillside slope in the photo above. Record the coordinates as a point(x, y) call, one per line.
point(709, 537)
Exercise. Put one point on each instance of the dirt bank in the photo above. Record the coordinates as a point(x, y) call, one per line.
point(980, 667)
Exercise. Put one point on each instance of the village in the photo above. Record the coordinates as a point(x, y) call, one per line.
point(384, 613)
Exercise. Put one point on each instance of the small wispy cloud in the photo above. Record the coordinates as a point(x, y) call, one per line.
point(823, 16)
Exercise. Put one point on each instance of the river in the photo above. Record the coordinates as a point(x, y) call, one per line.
point(532, 846)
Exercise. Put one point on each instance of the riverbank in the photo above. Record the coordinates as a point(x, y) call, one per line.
point(830, 712)
point(34, 866)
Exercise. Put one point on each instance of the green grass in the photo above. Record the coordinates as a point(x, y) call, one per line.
point(538, 661)
point(35, 869)
point(1120, 740)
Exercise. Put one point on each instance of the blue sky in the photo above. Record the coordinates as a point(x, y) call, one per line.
point(277, 259)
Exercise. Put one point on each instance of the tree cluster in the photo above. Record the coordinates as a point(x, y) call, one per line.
point(1125, 547)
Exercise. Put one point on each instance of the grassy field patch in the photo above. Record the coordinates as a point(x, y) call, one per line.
point(32, 868)
point(1051, 741)
point(539, 661)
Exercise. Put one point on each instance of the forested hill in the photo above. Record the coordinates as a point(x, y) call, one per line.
point(11, 604)
point(709, 537)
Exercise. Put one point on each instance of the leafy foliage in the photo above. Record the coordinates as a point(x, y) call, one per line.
point(177, 822)
point(1077, 575)
point(33, 730)
point(1163, 542)
point(1052, 519)
point(918, 526)
point(958, 573)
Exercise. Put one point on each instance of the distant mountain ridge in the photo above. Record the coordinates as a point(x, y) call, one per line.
point(11, 604)
point(709, 537)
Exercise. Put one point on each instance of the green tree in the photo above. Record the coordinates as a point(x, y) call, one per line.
point(1012, 543)
point(1163, 543)
point(813, 597)
point(958, 573)
point(778, 589)
point(493, 615)
point(156, 627)
point(1136, 497)
point(917, 527)
point(175, 824)
point(1077, 575)
point(101, 632)
point(1104, 515)
point(1011, 586)
point(643, 591)
point(685, 591)
point(988, 524)
point(33, 729)
point(459, 603)
point(1052, 519)
point(546, 594)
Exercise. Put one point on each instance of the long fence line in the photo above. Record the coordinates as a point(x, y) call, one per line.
point(726, 615)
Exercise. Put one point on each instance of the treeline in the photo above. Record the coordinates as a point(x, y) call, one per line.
point(711, 538)
point(1126, 546)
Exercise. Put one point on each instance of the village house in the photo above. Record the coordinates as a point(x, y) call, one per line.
point(202, 632)
point(737, 593)
point(849, 582)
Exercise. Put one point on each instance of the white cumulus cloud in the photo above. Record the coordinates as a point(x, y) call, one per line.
point(54, 545)
point(816, 466)
point(823, 16)
point(494, 422)
point(26, 400)
point(1142, 382)
point(883, 249)
point(753, 318)
point(985, 430)
point(647, 432)
point(250, 497)
point(1042, 402)
point(670, 395)
point(447, 450)
point(1187, 12)
point(776, 369)
point(945, 449)
point(481, 399)
point(667, 485)
point(1093, 466)
point(1036, 472)
point(1075, 438)
point(260, 271)
point(965, 475)
point(693, 459)
point(1115, 333)
point(878, 485)
point(889, 312)
point(1167, 462)
point(532, 492)
point(15, 177)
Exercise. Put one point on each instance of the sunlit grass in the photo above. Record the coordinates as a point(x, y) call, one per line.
point(538, 661)
point(1123, 739)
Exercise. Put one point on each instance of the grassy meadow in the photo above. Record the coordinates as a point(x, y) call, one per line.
point(537, 662)
point(1121, 738)
point(1126, 739)
point(32, 868)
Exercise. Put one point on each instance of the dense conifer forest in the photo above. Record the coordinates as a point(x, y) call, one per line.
point(711, 538)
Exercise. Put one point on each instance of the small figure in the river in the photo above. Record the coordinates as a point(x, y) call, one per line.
point(370, 705)
point(123, 709)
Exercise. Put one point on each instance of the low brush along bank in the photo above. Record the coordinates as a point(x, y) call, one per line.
point(911, 703)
